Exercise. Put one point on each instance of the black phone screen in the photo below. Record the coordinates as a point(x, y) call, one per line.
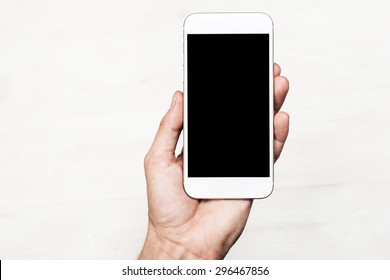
point(228, 105)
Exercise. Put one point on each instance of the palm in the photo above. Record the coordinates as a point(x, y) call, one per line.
point(192, 219)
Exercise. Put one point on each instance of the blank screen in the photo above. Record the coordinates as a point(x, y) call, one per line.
point(228, 105)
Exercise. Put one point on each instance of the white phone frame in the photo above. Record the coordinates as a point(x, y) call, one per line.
point(229, 187)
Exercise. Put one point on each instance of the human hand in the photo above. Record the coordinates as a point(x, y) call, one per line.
point(181, 227)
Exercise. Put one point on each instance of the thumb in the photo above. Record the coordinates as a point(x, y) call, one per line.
point(165, 141)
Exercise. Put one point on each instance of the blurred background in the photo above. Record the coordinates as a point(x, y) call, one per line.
point(84, 84)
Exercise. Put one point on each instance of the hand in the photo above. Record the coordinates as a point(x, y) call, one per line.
point(184, 228)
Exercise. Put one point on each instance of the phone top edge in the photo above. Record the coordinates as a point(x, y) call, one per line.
point(207, 14)
point(224, 23)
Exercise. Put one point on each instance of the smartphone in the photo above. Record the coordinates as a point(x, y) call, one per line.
point(228, 105)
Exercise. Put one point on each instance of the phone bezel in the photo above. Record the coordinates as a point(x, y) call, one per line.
point(231, 187)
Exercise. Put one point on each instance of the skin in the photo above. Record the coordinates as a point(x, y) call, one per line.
point(184, 228)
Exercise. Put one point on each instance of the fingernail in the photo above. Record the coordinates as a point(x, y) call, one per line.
point(173, 101)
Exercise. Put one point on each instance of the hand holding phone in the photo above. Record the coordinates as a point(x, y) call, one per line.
point(184, 228)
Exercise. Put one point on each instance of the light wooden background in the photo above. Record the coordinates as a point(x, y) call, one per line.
point(83, 85)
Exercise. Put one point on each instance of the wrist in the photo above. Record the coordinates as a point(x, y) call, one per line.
point(157, 247)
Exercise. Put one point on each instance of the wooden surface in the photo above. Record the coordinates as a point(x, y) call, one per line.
point(83, 85)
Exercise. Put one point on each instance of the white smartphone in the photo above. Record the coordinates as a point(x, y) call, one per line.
point(228, 105)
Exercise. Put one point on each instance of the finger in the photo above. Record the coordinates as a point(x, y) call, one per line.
point(277, 70)
point(281, 126)
point(281, 88)
point(165, 141)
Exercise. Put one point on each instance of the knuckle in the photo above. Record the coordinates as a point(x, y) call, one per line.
point(164, 122)
point(152, 159)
